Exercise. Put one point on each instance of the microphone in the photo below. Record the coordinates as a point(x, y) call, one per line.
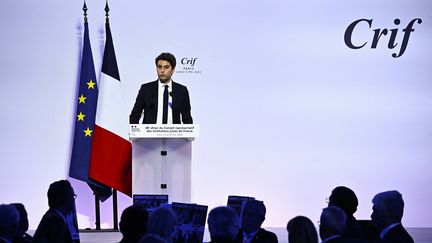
point(170, 103)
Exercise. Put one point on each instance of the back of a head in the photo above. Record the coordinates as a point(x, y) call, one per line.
point(9, 221)
point(332, 222)
point(23, 222)
point(390, 204)
point(344, 198)
point(301, 230)
point(253, 215)
point(161, 222)
point(223, 223)
point(61, 194)
point(257, 206)
point(133, 222)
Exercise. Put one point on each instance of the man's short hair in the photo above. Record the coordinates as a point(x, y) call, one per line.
point(60, 193)
point(162, 221)
point(332, 221)
point(223, 223)
point(166, 56)
point(344, 198)
point(390, 205)
point(9, 221)
point(258, 207)
point(133, 222)
point(23, 222)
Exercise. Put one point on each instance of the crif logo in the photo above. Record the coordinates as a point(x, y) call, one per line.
point(189, 65)
point(189, 61)
point(378, 34)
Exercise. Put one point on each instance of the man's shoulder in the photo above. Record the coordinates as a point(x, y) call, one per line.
point(177, 85)
point(52, 217)
point(149, 84)
point(398, 234)
point(267, 235)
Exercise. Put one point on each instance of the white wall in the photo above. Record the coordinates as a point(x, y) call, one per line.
point(282, 102)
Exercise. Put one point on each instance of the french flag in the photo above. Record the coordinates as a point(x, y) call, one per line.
point(111, 155)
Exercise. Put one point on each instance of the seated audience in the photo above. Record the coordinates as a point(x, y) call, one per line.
point(387, 216)
point(345, 199)
point(9, 223)
point(22, 236)
point(56, 225)
point(253, 215)
point(133, 223)
point(161, 223)
point(223, 225)
point(301, 230)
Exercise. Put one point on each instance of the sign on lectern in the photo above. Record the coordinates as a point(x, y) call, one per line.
point(161, 159)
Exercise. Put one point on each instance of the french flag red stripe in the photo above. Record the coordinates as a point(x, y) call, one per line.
point(106, 167)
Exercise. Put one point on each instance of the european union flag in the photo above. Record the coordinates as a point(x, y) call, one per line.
point(86, 103)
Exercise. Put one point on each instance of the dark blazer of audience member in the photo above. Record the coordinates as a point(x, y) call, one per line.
point(223, 225)
point(253, 215)
point(345, 199)
point(387, 217)
point(301, 230)
point(22, 236)
point(151, 238)
point(133, 223)
point(54, 227)
point(161, 223)
point(332, 226)
point(9, 222)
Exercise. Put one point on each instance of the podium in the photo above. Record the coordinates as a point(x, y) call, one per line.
point(161, 159)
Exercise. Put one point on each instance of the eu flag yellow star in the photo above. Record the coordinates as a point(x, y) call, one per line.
point(81, 116)
point(82, 99)
point(88, 132)
point(91, 84)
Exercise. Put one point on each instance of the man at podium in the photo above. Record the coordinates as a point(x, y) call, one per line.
point(163, 101)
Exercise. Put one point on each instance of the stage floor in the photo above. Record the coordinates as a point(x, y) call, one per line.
point(420, 235)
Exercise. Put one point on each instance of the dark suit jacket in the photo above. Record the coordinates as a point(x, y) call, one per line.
point(52, 229)
point(147, 100)
point(346, 240)
point(262, 236)
point(397, 235)
point(221, 241)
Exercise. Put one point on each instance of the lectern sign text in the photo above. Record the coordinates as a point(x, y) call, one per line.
point(163, 131)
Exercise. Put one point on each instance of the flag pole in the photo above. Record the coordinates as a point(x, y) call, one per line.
point(97, 211)
point(96, 193)
point(114, 192)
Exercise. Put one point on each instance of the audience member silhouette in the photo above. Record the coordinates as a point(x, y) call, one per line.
point(332, 226)
point(56, 225)
point(223, 225)
point(161, 223)
point(9, 223)
point(345, 199)
point(387, 216)
point(253, 215)
point(301, 230)
point(22, 236)
point(133, 223)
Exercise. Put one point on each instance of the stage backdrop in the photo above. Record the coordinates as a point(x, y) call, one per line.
point(293, 98)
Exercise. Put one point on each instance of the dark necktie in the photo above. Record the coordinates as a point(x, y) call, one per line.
point(165, 106)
